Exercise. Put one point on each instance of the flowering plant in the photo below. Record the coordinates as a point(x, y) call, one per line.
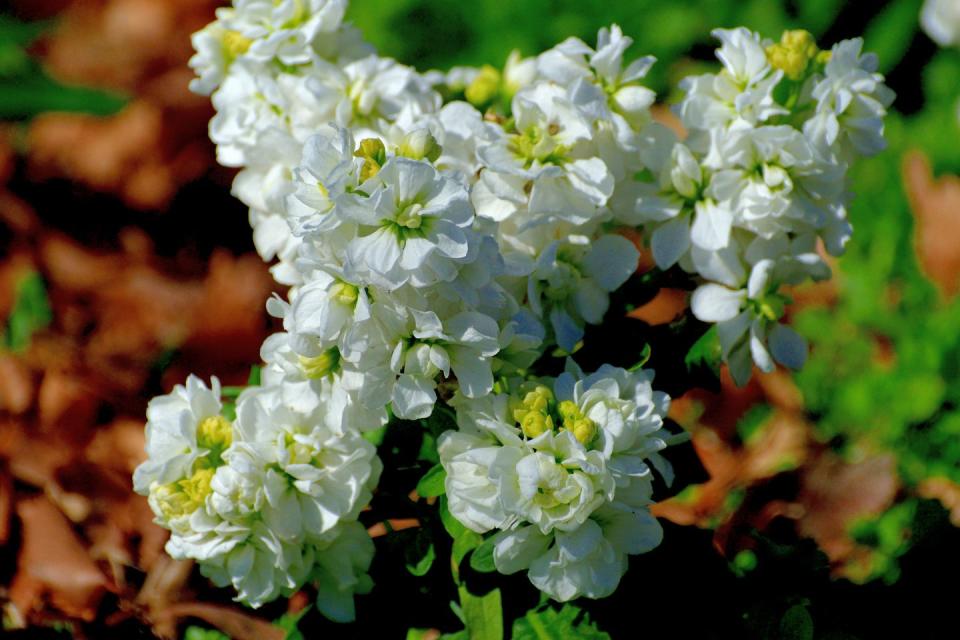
point(452, 244)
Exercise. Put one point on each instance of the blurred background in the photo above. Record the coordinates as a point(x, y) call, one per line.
point(824, 504)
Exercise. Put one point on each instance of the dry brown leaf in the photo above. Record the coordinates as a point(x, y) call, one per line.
point(936, 207)
point(54, 564)
point(665, 307)
point(16, 389)
point(237, 625)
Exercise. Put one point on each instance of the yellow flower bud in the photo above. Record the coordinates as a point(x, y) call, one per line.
point(374, 154)
point(584, 430)
point(793, 53)
point(569, 411)
point(535, 424)
point(484, 88)
point(235, 45)
point(214, 433)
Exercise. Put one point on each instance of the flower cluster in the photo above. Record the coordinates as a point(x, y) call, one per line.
point(559, 468)
point(443, 235)
point(760, 182)
point(266, 502)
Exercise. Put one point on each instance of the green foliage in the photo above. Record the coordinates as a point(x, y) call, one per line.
point(199, 633)
point(482, 557)
point(431, 484)
point(31, 313)
point(705, 353)
point(796, 624)
point(290, 622)
point(482, 614)
point(26, 91)
point(546, 623)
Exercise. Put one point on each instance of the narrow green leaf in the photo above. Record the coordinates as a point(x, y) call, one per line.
point(431, 484)
point(420, 560)
point(253, 380)
point(31, 312)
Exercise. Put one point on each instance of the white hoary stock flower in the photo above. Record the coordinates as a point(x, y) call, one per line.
point(370, 91)
point(547, 170)
point(426, 347)
point(413, 226)
point(940, 19)
point(680, 207)
point(233, 544)
point(748, 319)
point(183, 427)
point(852, 101)
point(573, 59)
point(572, 281)
point(356, 396)
point(776, 184)
point(314, 476)
point(740, 95)
point(563, 477)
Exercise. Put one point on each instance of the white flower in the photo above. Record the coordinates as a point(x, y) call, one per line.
point(741, 94)
point(682, 208)
point(546, 169)
point(315, 476)
point(851, 103)
point(941, 20)
point(414, 226)
point(182, 427)
point(748, 319)
point(571, 283)
point(775, 183)
point(573, 59)
point(370, 91)
point(562, 476)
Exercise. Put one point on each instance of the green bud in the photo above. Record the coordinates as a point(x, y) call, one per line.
point(322, 365)
point(419, 145)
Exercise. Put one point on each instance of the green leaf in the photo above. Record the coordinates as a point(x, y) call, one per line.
point(20, 33)
point(796, 624)
point(31, 312)
point(431, 484)
point(891, 31)
point(32, 93)
point(376, 436)
point(289, 622)
point(546, 623)
point(420, 556)
point(482, 557)
point(253, 380)
point(199, 633)
point(483, 615)
point(705, 352)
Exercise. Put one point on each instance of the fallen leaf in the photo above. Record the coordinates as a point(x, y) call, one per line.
point(936, 206)
point(54, 564)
